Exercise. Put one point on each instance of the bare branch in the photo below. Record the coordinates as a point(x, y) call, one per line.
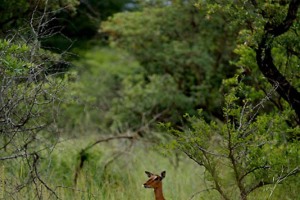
point(117, 137)
point(209, 152)
point(253, 170)
point(277, 181)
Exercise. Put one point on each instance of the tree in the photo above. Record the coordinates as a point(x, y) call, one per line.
point(269, 32)
point(29, 104)
point(17, 13)
point(264, 56)
point(193, 50)
point(257, 145)
point(95, 84)
point(247, 152)
point(77, 28)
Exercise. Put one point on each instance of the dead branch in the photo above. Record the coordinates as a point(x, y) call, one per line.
point(117, 137)
point(131, 137)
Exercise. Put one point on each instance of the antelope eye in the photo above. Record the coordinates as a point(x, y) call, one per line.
point(157, 178)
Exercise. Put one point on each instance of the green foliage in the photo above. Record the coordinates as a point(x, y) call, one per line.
point(12, 9)
point(14, 58)
point(178, 59)
point(104, 177)
point(144, 102)
point(28, 109)
point(16, 13)
point(245, 153)
point(27, 92)
point(254, 18)
point(108, 91)
point(76, 29)
point(93, 86)
point(199, 51)
point(193, 49)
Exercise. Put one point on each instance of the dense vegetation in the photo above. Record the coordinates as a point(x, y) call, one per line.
point(92, 93)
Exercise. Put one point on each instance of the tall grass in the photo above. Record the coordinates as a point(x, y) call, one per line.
point(103, 177)
point(118, 179)
point(123, 177)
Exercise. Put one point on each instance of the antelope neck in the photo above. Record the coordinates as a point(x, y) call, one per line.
point(159, 193)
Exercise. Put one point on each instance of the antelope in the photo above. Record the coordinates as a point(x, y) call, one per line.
point(155, 182)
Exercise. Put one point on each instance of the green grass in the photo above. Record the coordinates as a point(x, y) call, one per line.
point(120, 179)
point(123, 178)
point(102, 178)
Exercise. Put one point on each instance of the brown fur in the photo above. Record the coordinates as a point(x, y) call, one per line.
point(155, 182)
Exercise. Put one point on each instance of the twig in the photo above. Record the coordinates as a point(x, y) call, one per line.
point(117, 137)
point(35, 163)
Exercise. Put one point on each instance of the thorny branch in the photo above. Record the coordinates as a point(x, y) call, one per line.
point(25, 99)
point(276, 181)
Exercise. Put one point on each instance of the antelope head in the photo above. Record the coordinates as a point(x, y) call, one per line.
point(154, 181)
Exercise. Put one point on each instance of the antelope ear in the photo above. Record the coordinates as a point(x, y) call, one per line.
point(149, 174)
point(163, 174)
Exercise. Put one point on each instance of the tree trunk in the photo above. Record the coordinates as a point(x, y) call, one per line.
point(265, 60)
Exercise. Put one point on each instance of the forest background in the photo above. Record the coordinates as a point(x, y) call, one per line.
point(93, 93)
